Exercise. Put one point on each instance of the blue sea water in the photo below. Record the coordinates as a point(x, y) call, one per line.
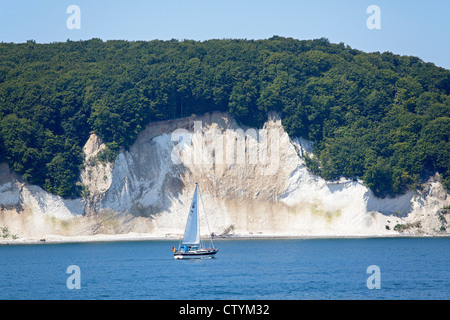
point(287, 269)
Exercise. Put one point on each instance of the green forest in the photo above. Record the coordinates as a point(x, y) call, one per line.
point(380, 117)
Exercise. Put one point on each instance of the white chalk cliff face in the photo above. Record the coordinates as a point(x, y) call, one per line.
point(253, 183)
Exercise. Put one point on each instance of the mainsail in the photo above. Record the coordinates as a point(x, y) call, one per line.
point(192, 231)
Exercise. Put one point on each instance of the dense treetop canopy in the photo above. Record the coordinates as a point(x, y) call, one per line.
point(381, 117)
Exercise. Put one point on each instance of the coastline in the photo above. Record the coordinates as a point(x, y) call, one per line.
point(57, 239)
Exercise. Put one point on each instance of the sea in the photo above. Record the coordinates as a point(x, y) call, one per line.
point(244, 269)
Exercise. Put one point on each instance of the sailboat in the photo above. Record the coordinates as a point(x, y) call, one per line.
point(191, 246)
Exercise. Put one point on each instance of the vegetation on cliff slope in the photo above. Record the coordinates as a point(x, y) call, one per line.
point(378, 116)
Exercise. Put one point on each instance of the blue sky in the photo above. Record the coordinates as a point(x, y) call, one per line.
point(417, 28)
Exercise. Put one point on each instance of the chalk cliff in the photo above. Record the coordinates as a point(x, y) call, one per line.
point(253, 182)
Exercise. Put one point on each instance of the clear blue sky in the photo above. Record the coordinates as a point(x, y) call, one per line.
point(417, 28)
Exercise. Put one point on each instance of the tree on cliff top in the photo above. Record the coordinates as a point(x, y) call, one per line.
point(378, 116)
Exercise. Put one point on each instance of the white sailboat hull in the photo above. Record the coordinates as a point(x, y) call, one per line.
point(195, 254)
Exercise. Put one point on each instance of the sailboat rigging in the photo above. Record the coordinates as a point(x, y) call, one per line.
point(191, 245)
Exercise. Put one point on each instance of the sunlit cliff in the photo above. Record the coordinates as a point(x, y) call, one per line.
point(253, 182)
